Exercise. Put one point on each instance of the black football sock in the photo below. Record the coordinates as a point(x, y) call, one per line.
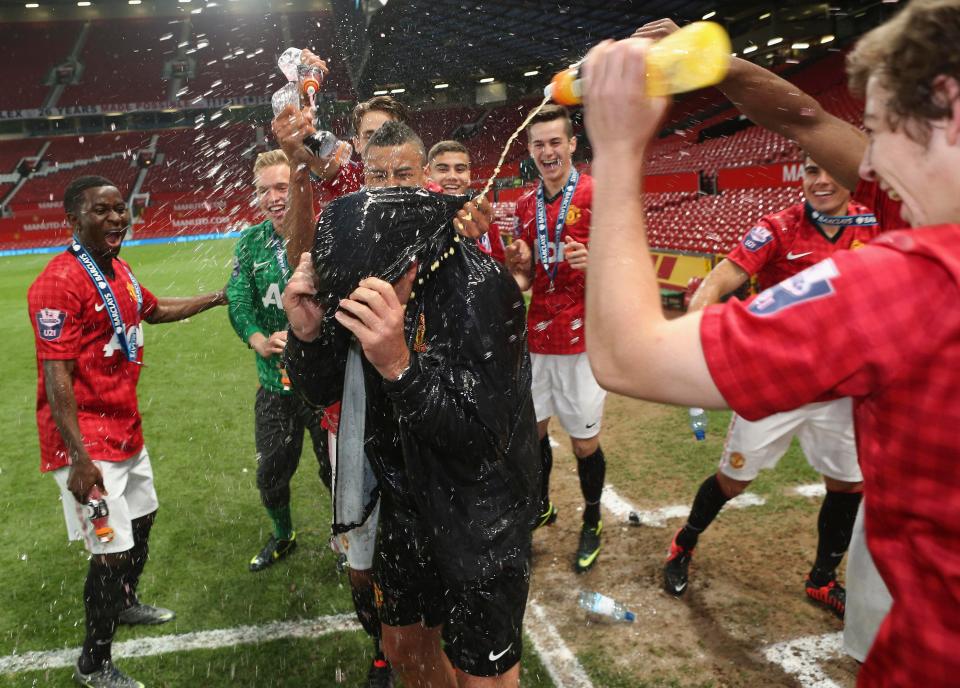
point(835, 526)
point(706, 505)
point(546, 465)
point(103, 599)
point(592, 471)
point(365, 605)
point(138, 556)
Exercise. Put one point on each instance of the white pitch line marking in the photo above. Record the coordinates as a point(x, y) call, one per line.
point(555, 656)
point(561, 664)
point(657, 518)
point(198, 640)
point(801, 658)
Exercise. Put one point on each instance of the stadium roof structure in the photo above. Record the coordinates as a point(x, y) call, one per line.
point(415, 42)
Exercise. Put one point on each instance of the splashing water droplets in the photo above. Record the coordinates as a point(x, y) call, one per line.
point(506, 148)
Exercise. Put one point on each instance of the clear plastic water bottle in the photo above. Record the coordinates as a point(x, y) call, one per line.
point(595, 603)
point(698, 423)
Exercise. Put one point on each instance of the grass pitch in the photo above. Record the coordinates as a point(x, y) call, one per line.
point(196, 397)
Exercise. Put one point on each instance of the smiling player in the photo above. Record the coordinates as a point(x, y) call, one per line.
point(780, 246)
point(555, 222)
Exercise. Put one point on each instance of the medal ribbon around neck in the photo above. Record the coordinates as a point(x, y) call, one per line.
point(281, 252)
point(131, 346)
point(543, 240)
point(840, 220)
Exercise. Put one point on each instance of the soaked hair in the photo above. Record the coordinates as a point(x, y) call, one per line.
point(908, 53)
point(396, 134)
point(73, 196)
point(447, 147)
point(269, 159)
point(551, 112)
point(386, 104)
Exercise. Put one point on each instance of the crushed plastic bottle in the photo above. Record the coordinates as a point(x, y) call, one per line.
point(99, 514)
point(698, 423)
point(595, 603)
point(303, 89)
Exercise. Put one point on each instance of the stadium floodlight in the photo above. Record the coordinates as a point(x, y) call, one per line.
point(487, 80)
point(765, 15)
point(749, 49)
point(183, 1)
point(32, 5)
point(134, 2)
point(439, 86)
point(775, 40)
point(381, 93)
point(827, 39)
point(83, 3)
point(800, 46)
point(398, 90)
point(532, 72)
point(708, 15)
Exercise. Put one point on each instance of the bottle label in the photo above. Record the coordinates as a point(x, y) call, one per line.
point(603, 605)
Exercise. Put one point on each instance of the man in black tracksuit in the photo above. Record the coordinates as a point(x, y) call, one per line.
point(448, 417)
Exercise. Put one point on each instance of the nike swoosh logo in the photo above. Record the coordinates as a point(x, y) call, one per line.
point(680, 588)
point(494, 657)
point(260, 265)
point(590, 425)
point(99, 307)
point(794, 256)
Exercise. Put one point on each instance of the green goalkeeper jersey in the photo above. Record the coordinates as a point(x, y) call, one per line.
point(260, 272)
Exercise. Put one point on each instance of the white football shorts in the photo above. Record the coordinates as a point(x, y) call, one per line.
point(564, 386)
point(825, 432)
point(130, 495)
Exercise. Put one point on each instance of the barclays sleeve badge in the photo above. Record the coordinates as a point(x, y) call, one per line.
point(757, 238)
point(50, 323)
point(809, 285)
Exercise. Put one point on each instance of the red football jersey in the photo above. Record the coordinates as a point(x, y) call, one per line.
point(491, 243)
point(349, 179)
point(70, 322)
point(880, 325)
point(555, 317)
point(887, 210)
point(786, 242)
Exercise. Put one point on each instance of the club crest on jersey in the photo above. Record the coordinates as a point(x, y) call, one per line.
point(737, 461)
point(573, 215)
point(757, 238)
point(50, 324)
point(809, 285)
point(132, 292)
point(855, 244)
point(420, 338)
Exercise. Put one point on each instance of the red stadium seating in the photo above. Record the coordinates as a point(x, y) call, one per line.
point(710, 224)
point(236, 56)
point(212, 160)
point(129, 70)
point(28, 51)
point(11, 152)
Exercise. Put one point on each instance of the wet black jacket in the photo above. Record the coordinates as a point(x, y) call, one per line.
point(455, 440)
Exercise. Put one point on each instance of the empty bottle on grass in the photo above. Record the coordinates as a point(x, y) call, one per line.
point(595, 603)
point(698, 423)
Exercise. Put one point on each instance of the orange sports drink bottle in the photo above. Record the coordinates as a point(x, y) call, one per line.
point(99, 514)
point(696, 56)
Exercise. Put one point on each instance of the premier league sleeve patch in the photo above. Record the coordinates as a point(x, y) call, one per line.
point(50, 324)
point(809, 285)
point(757, 238)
